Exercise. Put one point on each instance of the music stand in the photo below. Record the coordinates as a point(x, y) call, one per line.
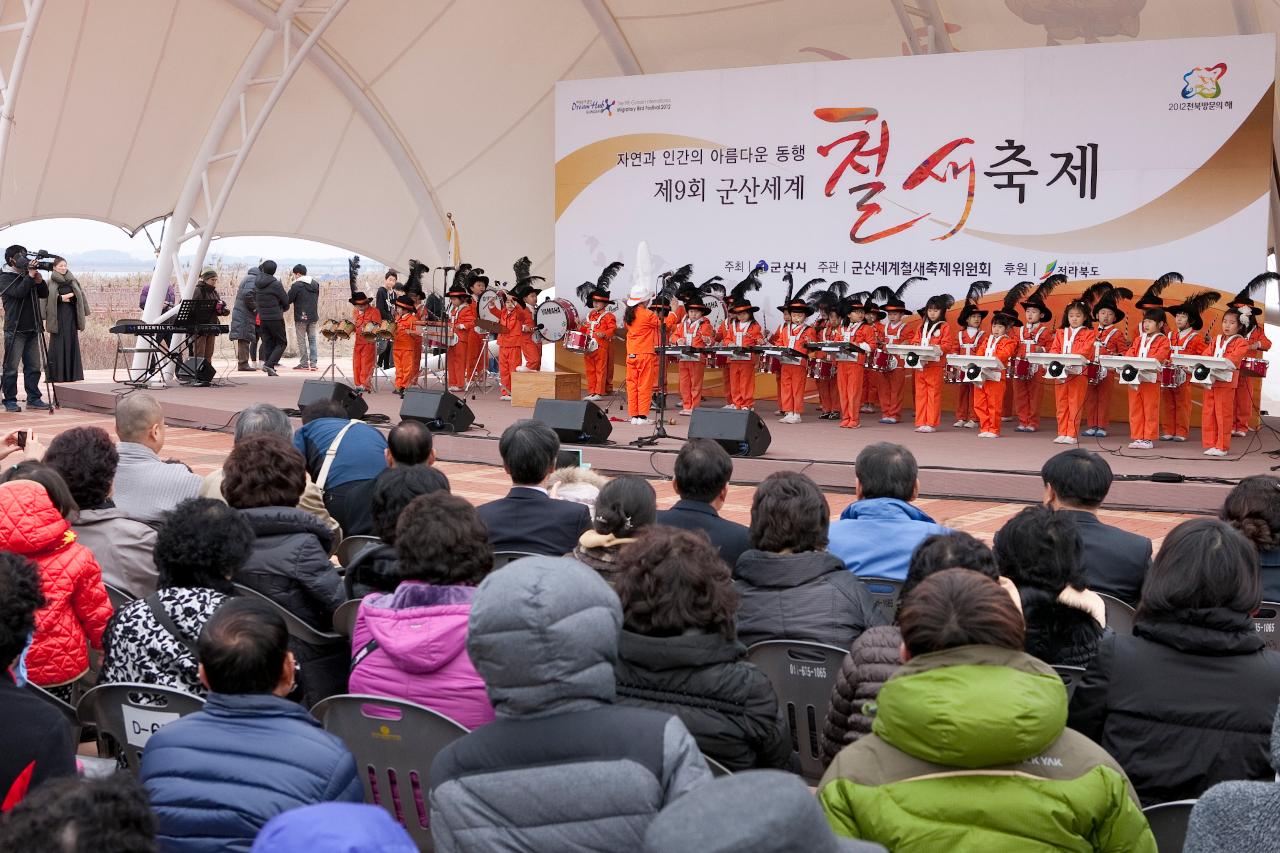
point(1204, 370)
point(1132, 370)
point(977, 369)
point(915, 356)
point(196, 312)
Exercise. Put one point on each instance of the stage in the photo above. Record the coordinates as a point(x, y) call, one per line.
point(954, 463)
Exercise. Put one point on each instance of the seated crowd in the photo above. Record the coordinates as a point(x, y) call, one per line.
point(599, 652)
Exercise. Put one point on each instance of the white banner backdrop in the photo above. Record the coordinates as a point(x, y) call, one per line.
point(1117, 161)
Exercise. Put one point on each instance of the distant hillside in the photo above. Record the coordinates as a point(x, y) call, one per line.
point(111, 260)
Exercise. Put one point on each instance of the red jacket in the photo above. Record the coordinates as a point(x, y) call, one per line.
point(76, 608)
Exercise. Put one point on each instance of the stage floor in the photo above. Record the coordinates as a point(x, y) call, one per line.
point(954, 463)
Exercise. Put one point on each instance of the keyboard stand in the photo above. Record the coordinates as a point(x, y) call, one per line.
point(161, 356)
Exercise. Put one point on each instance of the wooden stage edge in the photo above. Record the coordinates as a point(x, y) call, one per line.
point(953, 463)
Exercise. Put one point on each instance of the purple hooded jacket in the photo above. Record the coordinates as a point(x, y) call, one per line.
point(421, 655)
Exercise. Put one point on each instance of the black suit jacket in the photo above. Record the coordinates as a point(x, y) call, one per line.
point(527, 520)
point(1115, 560)
point(728, 536)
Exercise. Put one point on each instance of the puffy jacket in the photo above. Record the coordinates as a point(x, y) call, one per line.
point(334, 828)
point(875, 537)
point(806, 596)
point(1183, 703)
point(244, 309)
point(123, 548)
point(969, 752)
point(304, 296)
point(562, 768)
point(375, 569)
point(290, 563)
point(270, 297)
point(1232, 816)
point(1058, 632)
point(217, 776)
point(76, 608)
point(726, 703)
point(872, 658)
point(421, 634)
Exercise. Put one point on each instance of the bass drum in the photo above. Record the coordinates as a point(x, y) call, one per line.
point(715, 310)
point(556, 317)
point(486, 306)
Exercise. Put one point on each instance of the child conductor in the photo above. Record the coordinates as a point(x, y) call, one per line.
point(643, 334)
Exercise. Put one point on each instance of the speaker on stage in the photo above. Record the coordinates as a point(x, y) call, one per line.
point(197, 370)
point(439, 410)
point(575, 421)
point(319, 390)
point(739, 431)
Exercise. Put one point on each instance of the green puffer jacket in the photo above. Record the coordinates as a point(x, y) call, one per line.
point(970, 751)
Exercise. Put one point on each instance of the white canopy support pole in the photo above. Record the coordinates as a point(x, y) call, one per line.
point(613, 36)
point(10, 88)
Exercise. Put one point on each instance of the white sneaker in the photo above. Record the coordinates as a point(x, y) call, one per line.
point(987, 435)
point(505, 397)
point(1215, 451)
point(455, 387)
point(1070, 439)
point(958, 425)
point(1142, 445)
point(729, 406)
point(1135, 444)
point(1166, 437)
point(791, 418)
point(592, 397)
point(1179, 438)
point(523, 369)
point(1239, 433)
point(970, 424)
point(686, 412)
point(925, 428)
point(1007, 418)
point(640, 421)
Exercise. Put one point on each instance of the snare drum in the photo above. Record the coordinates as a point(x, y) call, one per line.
point(769, 364)
point(487, 305)
point(1253, 366)
point(1095, 372)
point(822, 370)
point(952, 375)
point(1172, 377)
point(882, 361)
point(716, 361)
point(576, 341)
point(345, 330)
point(1022, 368)
point(556, 317)
point(329, 329)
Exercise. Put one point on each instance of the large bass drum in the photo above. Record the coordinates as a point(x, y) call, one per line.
point(715, 310)
point(486, 306)
point(556, 317)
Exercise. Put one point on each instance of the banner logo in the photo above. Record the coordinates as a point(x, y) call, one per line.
point(1204, 82)
point(594, 106)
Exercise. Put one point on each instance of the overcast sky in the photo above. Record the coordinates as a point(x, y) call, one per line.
point(65, 236)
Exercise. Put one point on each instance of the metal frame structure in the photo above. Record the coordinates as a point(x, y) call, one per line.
point(11, 86)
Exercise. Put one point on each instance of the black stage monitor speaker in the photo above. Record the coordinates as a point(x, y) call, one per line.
point(575, 421)
point(739, 431)
point(318, 390)
point(197, 370)
point(439, 410)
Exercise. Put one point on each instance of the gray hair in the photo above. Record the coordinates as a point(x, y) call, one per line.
point(136, 414)
point(262, 419)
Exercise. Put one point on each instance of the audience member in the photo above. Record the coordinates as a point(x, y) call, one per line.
point(1253, 508)
point(679, 650)
point(626, 505)
point(1188, 700)
point(35, 744)
point(217, 776)
point(266, 419)
point(874, 656)
point(334, 828)
point(411, 644)
point(86, 458)
point(528, 520)
point(1039, 551)
point(108, 815)
point(759, 811)
point(544, 636)
point(969, 749)
point(703, 471)
point(410, 443)
point(876, 534)
point(146, 487)
point(573, 483)
point(343, 458)
point(270, 300)
point(1235, 816)
point(201, 546)
point(374, 569)
point(34, 503)
point(1115, 561)
point(792, 588)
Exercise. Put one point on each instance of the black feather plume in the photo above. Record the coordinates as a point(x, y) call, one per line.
point(747, 285)
point(976, 291)
point(791, 286)
point(840, 289)
point(902, 288)
point(1255, 287)
point(808, 284)
point(681, 276)
point(353, 272)
point(1122, 294)
point(1096, 291)
point(1158, 286)
point(584, 292)
point(1048, 286)
point(608, 274)
point(417, 270)
point(1016, 294)
point(712, 286)
point(881, 294)
point(1202, 300)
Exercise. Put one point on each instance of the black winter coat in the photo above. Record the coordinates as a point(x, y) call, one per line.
point(1183, 704)
point(290, 563)
point(1057, 633)
point(244, 309)
point(304, 296)
point(872, 658)
point(806, 596)
point(270, 297)
point(726, 703)
point(374, 569)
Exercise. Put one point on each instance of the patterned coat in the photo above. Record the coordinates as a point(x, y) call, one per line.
point(137, 648)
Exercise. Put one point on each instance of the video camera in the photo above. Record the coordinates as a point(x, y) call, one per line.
point(42, 260)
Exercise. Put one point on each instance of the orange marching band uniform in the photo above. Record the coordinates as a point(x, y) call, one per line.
point(1108, 340)
point(851, 372)
point(1032, 337)
point(642, 362)
point(1175, 403)
point(407, 342)
point(741, 330)
point(517, 324)
point(478, 339)
point(1070, 393)
point(462, 321)
point(600, 326)
point(1256, 343)
point(1219, 399)
point(988, 398)
point(365, 351)
point(928, 377)
point(692, 330)
point(792, 377)
point(828, 390)
point(969, 341)
point(1144, 400)
point(889, 382)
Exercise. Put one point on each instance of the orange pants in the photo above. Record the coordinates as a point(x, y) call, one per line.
point(850, 381)
point(928, 403)
point(870, 388)
point(1175, 410)
point(1069, 400)
point(1097, 403)
point(890, 389)
point(742, 383)
point(458, 364)
point(415, 359)
point(828, 395)
point(362, 358)
point(791, 388)
point(597, 367)
point(406, 367)
point(1144, 412)
point(691, 373)
point(1216, 416)
point(964, 402)
point(532, 353)
point(475, 346)
point(508, 360)
point(1243, 417)
point(988, 402)
point(642, 376)
point(1027, 394)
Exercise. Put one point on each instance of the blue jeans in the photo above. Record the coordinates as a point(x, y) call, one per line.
point(307, 330)
point(24, 347)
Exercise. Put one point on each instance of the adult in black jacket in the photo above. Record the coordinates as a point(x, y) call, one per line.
point(791, 587)
point(527, 520)
point(271, 301)
point(377, 567)
point(679, 653)
point(1115, 561)
point(21, 286)
point(1187, 701)
point(384, 299)
point(703, 471)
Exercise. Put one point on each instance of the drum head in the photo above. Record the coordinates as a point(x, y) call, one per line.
point(553, 319)
point(486, 304)
point(715, 310)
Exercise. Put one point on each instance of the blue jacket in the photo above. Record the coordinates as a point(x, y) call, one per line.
point(335, 827)
point(875, 537)
point(361, 455)
point(217, 776)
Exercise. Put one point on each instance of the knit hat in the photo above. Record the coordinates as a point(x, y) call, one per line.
point(209, 272)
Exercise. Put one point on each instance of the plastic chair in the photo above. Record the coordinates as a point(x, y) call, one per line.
point(344, 618)
point(297, 629)
point(501, 558)
point(884, 595)
point(66, 709)
point(394, 743)
point(353, 545)
point(1119, 614)
point(125, 723)
point(717, 769)
point(118, 597)
point(1169, 824)
point(1265, 620)
point(1070, 676)
point(802, 675)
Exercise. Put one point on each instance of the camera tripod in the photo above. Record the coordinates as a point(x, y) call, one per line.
point(42, 360)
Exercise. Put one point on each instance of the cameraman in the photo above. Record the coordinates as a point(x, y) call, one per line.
point(21, 285)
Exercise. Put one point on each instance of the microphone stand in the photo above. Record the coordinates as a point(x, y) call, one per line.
point(660, 428)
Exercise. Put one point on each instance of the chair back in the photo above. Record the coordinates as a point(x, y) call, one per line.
point(1265, 619)
point(297, 629)
point(1169, 824)
point(501, 558)
point(717, 769)
point(394, 743)
point(802, 675)
point(66, 709)
point(1070, 676)
point(349, 547)
point(128, 714)
point(344, 618)
point(118, 597)
point(1119, 614)
point(884, 595)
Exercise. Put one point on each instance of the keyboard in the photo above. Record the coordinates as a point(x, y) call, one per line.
point(168, 328)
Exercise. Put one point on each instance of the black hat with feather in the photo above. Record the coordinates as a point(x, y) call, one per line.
point(1244, 299)
point(1151, 299)
point(976, 291)
point(713, 286)
point(941, 301)
point(1106, 295)
point(353, 272)
point(413, 284)
point(1008, 313)
point(1037, 299)
point(1195, 306)
point(853, 302)
point(522, 269)
point(827, 300)
point(738, 301)
point(893, 300)
point(795, 301)
point(589, 293)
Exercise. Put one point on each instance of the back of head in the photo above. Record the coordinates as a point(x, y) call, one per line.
point(1078, 478)
point(529, 450)
point(268, 267)
point(54, 485)
point(954, 550)
point(242, 648)
point(86, 458)
point(703, 469)
point(957, 607)
point(1253, 508)
point(299, 269)
point(440, 539)
point(1203, 564)
point(394, 489)
point(624, 506)
point(886, 470)
point(1039, 548)
point(136, 414)
point(672, 582)
point(263, 470)
point(410, 443)
point(543, 634)
point(20, 598)
point(323, 409)
point(108, 815)
point(202, 543)
point(334, 828)
point(789, 513)
point(262, 419)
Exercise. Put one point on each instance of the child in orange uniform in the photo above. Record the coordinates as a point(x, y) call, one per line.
point(365, 351)
point(1108, 340)
point(793, 333)
point(894, 330)
point(1175, 403)
point(478, 341)
point(1219, 399)
point(1034, 336)
point(1075, 337)
point(741, 330)
point(933, 331)
point(827, 304)
point(600, 325)
point(525, 293)
point(851, 369)
point(643, 334)
point(1258, 343)
point(1144, 399)
point(693, 330)
point(462, 319)
point(988, 398)
point(517, 325)
point(408, 340)
point(969, 341)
